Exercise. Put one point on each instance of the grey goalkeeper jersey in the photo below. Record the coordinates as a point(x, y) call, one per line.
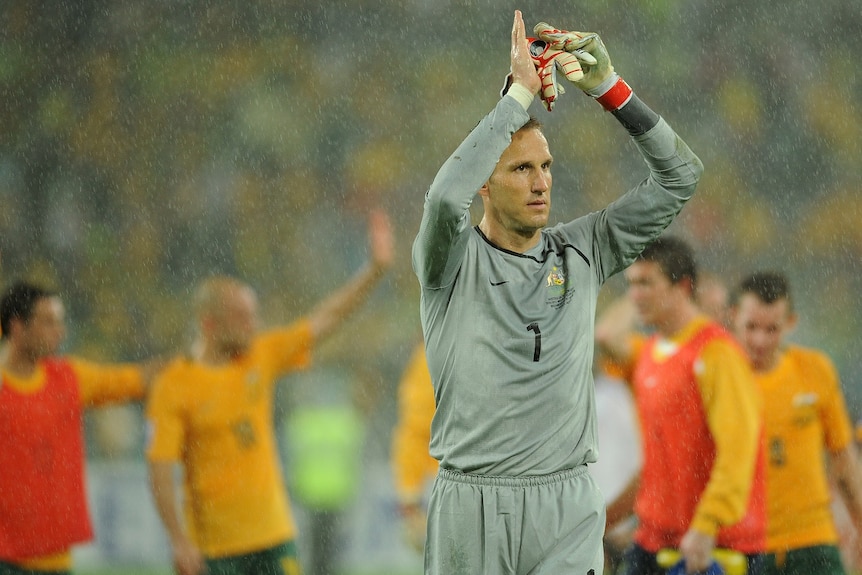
point(509, 337)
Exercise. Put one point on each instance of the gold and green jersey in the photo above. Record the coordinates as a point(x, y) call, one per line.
point(218, 422)
point(805, 418)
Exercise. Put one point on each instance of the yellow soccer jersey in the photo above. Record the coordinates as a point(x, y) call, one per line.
point(805, 416)
point(217, 421)
point(411, 463)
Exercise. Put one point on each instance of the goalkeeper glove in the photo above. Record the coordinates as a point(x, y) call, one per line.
point(548, 62)
point(599, 79)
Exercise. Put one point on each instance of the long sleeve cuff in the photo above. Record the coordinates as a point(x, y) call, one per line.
point(521, 95)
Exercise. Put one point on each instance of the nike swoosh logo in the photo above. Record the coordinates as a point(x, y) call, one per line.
point(493, 283)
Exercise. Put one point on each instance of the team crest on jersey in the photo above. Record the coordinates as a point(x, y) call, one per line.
point(556, 278)
point(556, 284)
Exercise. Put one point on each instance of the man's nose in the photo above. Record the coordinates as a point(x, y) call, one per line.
point(542, 182)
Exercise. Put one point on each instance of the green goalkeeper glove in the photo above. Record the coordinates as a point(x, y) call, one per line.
point(599, 79)
point(548, 61)
point(587, 47)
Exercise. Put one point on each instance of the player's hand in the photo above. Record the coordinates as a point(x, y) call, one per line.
point(380, 240)
point(188, 560)
point(523, 70)
point(587, 47)
point(413, 516)
point(548, 62)
point(696, 548)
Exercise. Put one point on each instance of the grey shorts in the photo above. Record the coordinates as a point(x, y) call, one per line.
point(535, 525)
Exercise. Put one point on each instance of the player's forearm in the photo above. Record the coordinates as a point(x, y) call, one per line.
point(336, 308)
point(446, 213)
point(844, 466)
point(614, 330)
point(636, 116)
point(671, 163)
point(472, 163)
point(734, 416)
point(623, 505)
point(165, 499)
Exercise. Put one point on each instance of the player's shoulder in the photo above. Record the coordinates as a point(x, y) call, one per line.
point(180, 369)
point(809, 358)
point(719, 341)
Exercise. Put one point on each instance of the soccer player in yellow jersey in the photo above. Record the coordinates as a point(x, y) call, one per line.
point(806, 426)
point(211, 413)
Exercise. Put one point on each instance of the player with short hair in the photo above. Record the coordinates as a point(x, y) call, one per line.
point(211, 413)
point(702, 481)
point(43, 505)
point(507, 311)
point(808, 432)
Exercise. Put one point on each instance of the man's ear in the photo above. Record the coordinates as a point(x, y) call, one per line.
point(16, 324)
point(484, 191)
point(688, 285)
point(792, 320)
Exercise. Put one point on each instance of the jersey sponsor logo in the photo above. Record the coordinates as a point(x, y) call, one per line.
point(499, 283)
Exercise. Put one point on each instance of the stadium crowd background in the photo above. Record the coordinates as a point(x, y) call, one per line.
point(147, 144)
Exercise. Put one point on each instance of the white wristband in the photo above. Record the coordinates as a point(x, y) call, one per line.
point(521, 94)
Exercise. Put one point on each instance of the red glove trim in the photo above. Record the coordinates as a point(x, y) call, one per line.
point(616, 97)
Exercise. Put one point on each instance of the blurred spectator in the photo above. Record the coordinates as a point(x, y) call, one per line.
point(325, 437)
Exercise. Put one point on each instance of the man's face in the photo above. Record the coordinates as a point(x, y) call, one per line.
point(651, 291)
point(43, 333)
point(761, 327)
point(519, 190)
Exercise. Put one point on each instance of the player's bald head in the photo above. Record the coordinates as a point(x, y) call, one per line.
point(213, 293)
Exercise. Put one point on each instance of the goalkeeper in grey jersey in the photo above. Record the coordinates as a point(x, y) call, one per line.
point(508, 309)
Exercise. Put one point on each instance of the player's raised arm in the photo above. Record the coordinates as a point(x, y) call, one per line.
point(333, 310)
point(599, 80)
